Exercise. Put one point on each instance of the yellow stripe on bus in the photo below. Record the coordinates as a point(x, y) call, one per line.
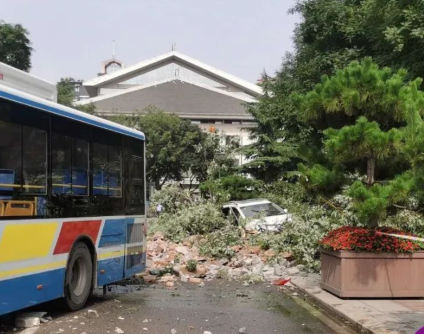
point(110, 255)
point(26, 241)
point(32, 269)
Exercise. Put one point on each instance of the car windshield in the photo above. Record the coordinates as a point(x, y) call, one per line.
point(266, 209)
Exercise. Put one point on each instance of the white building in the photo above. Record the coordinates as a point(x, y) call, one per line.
point(176, 83)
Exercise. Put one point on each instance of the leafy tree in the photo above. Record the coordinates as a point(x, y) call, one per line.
point(331, 34)
point(65, 96)
point(212, 158)
point(276, 138)
point(231, 187)
point(171, 145)
point(65, 92)
point(15, 46)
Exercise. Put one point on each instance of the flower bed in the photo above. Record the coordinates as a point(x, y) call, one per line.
point(362, 239)
point(361, 262)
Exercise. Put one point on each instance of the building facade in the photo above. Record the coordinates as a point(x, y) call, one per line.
point(176, 83)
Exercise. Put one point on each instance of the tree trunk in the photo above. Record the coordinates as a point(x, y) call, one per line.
point(370, 170)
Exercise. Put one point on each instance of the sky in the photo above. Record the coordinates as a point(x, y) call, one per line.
point(72, 37)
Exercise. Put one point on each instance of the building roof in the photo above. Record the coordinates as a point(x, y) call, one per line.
point(244, 85)
point(57, 109)
point(183, 97)
point(136, 88)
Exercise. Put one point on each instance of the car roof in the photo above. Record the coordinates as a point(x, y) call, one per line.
point(247, 202)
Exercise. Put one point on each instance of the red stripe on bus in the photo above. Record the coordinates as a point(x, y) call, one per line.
point(72, 230)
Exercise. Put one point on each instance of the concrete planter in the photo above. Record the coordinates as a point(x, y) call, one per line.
point(367, 275)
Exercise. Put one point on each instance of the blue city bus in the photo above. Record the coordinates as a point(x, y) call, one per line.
point(72, 198)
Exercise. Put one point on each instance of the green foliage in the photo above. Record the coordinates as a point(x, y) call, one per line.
point(387, 124)
point(218, 243)
point(15, 46)
point(191, 266)
point(221, 160)
point(407, 220)
point(321, 180)
point(275, 139)
point(172, 198)
point(360, 89)
point(65, 96)
point(232, 187)
point(362, 140)
point(202, 218)
point(372, 203)
point(171, 144)
point(301, 236)
point(65, 92)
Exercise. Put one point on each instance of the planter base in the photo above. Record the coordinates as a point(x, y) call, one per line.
point(372, 275)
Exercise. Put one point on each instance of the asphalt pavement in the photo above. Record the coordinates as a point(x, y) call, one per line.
point(220, 307)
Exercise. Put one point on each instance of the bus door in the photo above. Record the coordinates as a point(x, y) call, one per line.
point(134, 256)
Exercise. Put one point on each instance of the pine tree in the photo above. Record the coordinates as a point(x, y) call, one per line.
point(368, 115)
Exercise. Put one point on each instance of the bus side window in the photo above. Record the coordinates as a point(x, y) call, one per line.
point(100, 181)
point(80, 166)
point(61, 163)
point(10, 159)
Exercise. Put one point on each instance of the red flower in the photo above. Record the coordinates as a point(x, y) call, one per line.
point(362, 239)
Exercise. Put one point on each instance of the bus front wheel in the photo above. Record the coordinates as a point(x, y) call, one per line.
point(78, 277)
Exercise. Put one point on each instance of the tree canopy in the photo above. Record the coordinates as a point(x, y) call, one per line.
point(15, 46)
point(175, 148)
point(332, 34)
point(66, 95)
point(376, 114)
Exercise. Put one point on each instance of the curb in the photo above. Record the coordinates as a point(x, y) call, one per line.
point(332, 311)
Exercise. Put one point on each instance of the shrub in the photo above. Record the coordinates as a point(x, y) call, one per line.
point(172, 198)
point(407, 220)
point(191, 266)
point(218, 244)
point(202, 218)
point(302, 235)
point(231, 187)
point(372, 240)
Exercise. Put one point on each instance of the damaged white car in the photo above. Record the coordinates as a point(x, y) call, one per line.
point(257, 215)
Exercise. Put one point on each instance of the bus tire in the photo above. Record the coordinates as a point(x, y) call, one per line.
point(78, 277)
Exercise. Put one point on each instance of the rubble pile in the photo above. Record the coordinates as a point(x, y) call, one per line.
point(167, 263)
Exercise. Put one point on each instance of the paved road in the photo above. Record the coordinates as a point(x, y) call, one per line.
point(219, 307)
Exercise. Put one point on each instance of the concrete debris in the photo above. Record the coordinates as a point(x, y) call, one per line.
point(92, 314)
point(30, 319)
point(173, 331)
point(146, 320)
point(242, 330)
point(167, 263)
point(207, 332)
point(292, 271)
point(119, 331)
point(27, 322)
